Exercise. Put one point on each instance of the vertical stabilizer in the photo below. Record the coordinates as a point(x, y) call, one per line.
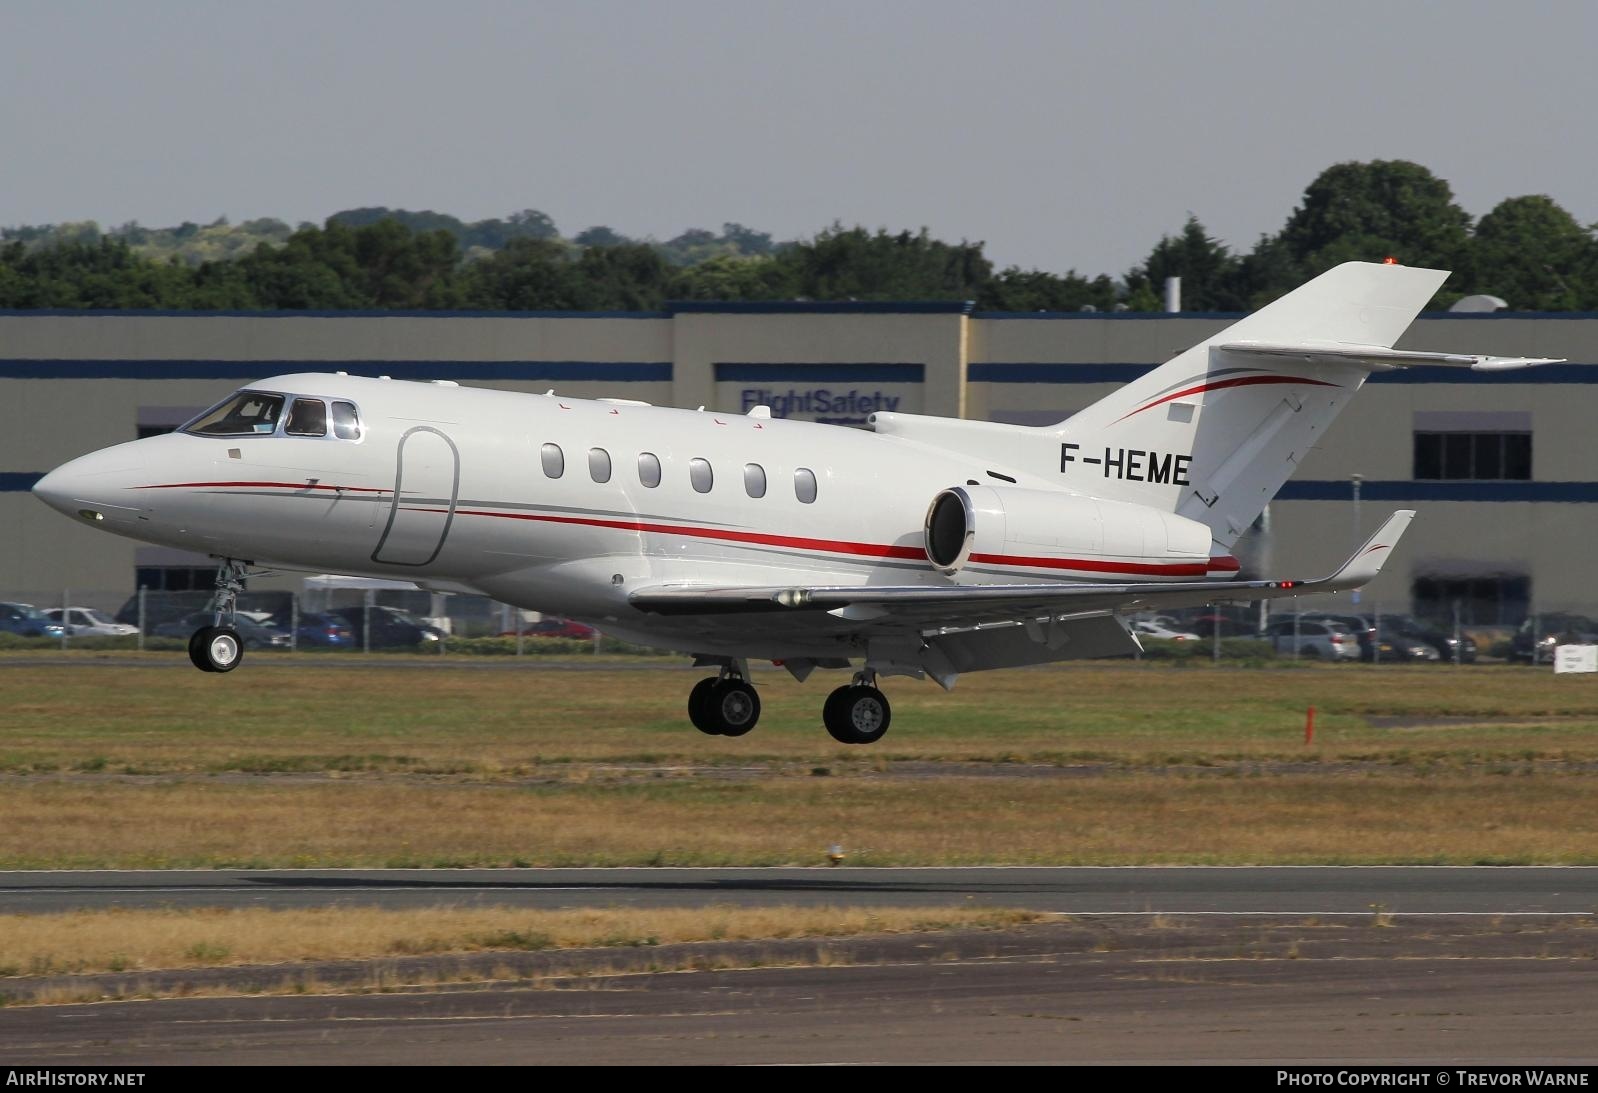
point(1214, 433)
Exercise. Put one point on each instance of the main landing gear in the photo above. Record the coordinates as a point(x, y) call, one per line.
point(726, 705)
point(857, 713)
point(218, 647)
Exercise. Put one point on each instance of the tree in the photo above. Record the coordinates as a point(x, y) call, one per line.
point(1016, 289)
point(852, 263)
point(1534, 255)
point(600, 236)
point(1208, 270)
point(730, 277)
point(1371, 211)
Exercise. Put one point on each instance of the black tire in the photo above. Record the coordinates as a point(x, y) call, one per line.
point(219, 648)
point(699, 706)
point(196, 656)
point(734, 707)
point(856, 714)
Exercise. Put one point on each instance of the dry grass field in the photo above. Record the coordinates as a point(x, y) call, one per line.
point(88, 942)
point(295, 763)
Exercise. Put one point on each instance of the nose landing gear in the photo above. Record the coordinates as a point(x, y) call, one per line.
point(218, 647)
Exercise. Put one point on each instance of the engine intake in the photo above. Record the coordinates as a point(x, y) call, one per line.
point(1059, 533)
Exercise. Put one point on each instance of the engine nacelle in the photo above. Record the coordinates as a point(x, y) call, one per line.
point(1062, 534)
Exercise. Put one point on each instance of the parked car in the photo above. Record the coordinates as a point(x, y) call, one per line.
point(255, 635)
point(1151, 628)
point(26, 620)
point(391, 627)
point(86, 621)
point(1435, 635)
point(1314, 639)
point(1539, 635)
point(322, 629)
point(1230, 626)
point(1379, 641)
point(556, 628)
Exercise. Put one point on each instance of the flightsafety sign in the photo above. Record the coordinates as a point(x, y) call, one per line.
point(832, 393)
point(833, 404)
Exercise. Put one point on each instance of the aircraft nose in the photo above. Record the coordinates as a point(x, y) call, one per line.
point(94, 487)
point(53, 488)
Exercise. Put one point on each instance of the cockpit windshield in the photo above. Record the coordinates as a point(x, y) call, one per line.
point(248, 413)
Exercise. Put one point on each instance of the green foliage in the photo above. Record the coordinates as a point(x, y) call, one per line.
point(1533, 254)
point(1527, 250)
point(1209, 272)
point(854, 264)
point(1371, 211)
point(1017, 289)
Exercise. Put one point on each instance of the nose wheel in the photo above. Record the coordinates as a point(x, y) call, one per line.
point(857, 713)
point(218, 647)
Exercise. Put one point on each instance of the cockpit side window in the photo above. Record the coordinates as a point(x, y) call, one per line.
point(346, 421)
point(307, 417)
point(248, 413)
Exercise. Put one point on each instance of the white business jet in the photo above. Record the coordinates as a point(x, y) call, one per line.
point(924, 547)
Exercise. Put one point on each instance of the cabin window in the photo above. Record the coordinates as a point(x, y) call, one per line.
point(307, 417)
point(248, 413)
point(346, 421)
point(804, 485)
point(554, 460)
point(649, 469)
point(599, 464)
point(700, 474)
point(754, 480)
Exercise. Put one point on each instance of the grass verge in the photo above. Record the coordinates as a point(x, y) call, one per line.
point(117, 941)
point(1129, 818)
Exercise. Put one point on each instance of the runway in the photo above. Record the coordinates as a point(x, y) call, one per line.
point(1306, 890)
point(1110, 989)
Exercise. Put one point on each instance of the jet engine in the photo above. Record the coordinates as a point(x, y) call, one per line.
point(1011, 526)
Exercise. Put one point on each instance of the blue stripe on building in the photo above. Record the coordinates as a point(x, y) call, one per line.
point(1402, 491)
point(794, 372)
point(560, 371)
point(18, 481)
point(824, 307)
point(1124, 373)
point(154, 313)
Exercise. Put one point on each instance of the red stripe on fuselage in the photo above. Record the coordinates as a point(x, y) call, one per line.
point(798, 542)
point(834, 546)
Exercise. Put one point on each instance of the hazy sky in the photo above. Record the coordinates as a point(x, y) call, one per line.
point(1065, 135)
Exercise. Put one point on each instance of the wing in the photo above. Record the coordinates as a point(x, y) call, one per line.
point(971, 605)
point(963, 628)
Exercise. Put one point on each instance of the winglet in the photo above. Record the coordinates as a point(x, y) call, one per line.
point(1367, 560)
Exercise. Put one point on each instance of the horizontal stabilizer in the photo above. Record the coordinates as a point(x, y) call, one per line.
point(1375, 357)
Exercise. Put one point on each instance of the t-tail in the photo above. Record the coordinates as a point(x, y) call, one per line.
point(1213, 433)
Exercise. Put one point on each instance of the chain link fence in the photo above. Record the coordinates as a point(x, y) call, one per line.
point(328, 620)
point(378, 620)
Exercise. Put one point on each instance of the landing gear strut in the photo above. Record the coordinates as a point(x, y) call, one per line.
point(218, 647)
point(857, 713)
point(724, 705)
